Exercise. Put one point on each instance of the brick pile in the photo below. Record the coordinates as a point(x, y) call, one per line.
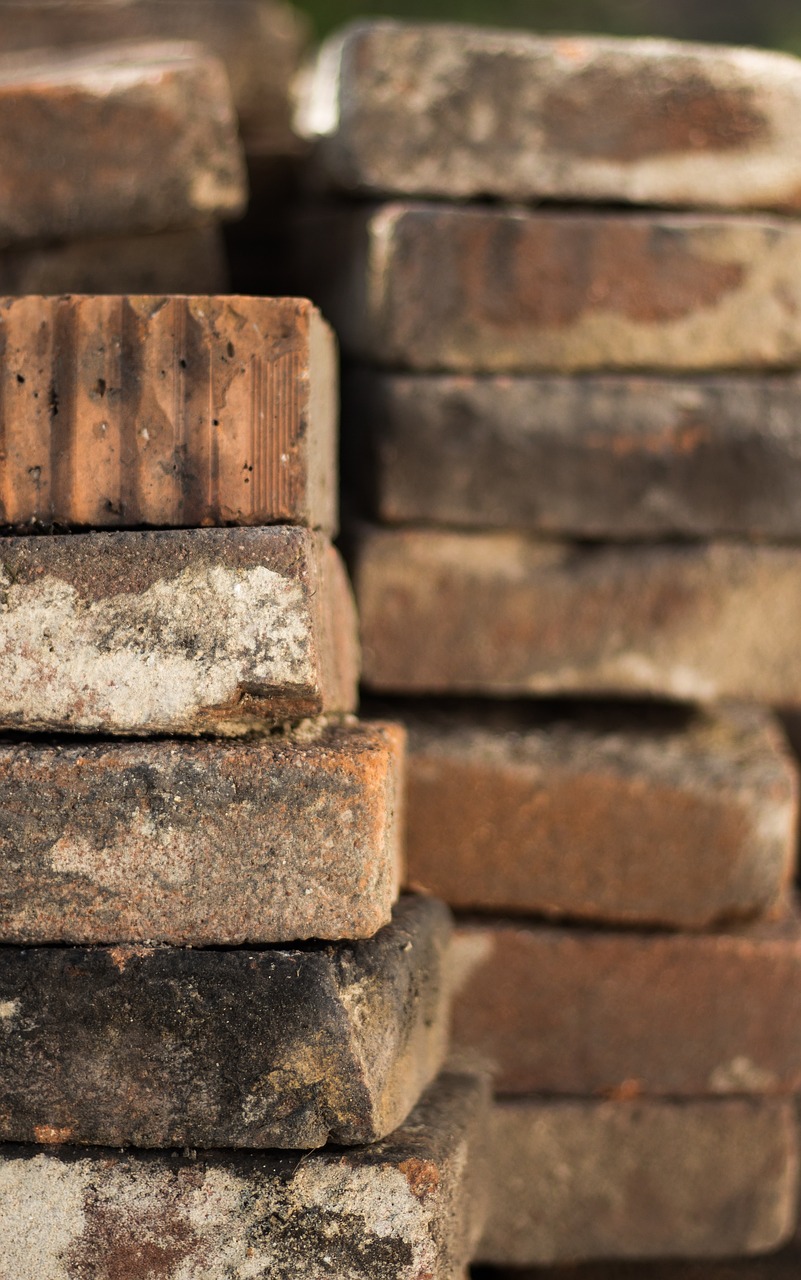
point(565, 276)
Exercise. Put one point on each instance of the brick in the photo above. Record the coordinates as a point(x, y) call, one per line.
point(554, 290)
point(585, 1011)
point(599, 456)
point(653, 817)
point(167, 411)
point(218, 631)
point(505, 614)
point(191, 261)
point(407, 1207)
point(119, 139)
point(260, 42)
point(519, 117)
point(575, 1181)
point(278, 839)
point(279, 1047)
point(777, 1266)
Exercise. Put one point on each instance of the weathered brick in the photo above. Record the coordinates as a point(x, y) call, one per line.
point(119, 139)
point(279, 1047)
point(580, 1011)
point(409, 1206)
point(776, 1266)
point(504, 614)
point(584, 1180)
point(219, 631)
point(520, 117)
point(191, 261)
point(164, 411)
point(651, 817)
point(260, 42)
point(599, 456)
point(290, 837)
point(435, 287)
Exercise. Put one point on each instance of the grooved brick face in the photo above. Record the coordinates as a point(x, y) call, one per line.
point(563, 1011)
point(137, 410)
point(519, 117)
point(672, 819)
point(167, 1047)
point(216, 631)
point(290, 837)
point(472, 289)
point(121, 138)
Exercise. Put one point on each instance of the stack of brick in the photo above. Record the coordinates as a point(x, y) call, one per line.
point(576, 430)
point(207, 976)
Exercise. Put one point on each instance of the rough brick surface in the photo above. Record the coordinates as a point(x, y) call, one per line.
point(191, 261)
point(433, 287)
point(410, 1206)
point(259, 41)
point(290, 837)
point(282, 1047)
point(474, 113)
point(582, 1180)
point(219, 631)
point(504, 614)
point(592, 457)
point(119, 139)
point(164, 411)
point(643, 817)
point(557, 1010)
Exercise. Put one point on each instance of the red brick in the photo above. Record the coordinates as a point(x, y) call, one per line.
point(506, 614)
point(471, 289)
point(651, 817)
point(521, 117)
point(191, 261)
point(260, 42)
point(167, 411)
point(580, 1180)
point(277, 839)
point(580, 1011)
point(118, 139)
point(596, 456)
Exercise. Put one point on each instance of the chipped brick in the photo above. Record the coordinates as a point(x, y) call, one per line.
point(278, 1047)
point(220, 631)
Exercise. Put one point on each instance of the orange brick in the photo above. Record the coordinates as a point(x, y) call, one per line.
point(659, 817)
point(580, 1011)
point(167, 411)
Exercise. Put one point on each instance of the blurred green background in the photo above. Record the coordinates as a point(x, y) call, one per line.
point(774, 23)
